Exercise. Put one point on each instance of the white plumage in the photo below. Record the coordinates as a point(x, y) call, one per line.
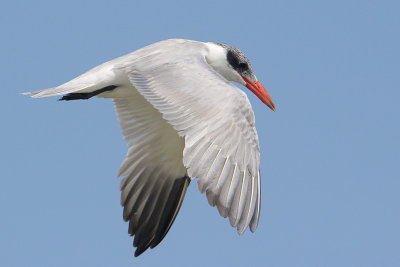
point(182, 119)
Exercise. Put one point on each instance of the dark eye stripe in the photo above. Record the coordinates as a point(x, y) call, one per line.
point(235, 63)
point(233, 60)
point(243, 66)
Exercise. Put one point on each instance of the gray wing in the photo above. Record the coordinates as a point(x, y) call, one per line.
point(217, 123)
point(155, 179)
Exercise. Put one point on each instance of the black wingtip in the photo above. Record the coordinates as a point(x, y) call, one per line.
point(138, 251)
point(85, 96)
point(75, 96)
point(168, 216)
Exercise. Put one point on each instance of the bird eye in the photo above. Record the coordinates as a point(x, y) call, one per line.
point(243, 66)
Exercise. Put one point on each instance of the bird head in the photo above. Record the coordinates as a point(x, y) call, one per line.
point(233, 65)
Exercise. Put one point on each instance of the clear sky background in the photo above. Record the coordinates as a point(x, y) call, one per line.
point(330, 155)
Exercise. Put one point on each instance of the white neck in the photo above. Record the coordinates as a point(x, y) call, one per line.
point(217, 59)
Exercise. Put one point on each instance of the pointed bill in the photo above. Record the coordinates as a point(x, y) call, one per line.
point(260, 92)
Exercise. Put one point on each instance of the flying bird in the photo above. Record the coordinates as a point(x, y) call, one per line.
point(182, 119)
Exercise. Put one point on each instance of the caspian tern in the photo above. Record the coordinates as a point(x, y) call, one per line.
point(182, 119)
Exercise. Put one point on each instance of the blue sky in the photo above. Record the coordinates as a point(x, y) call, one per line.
point(330, 155)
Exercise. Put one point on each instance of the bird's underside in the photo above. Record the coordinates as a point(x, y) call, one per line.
point(174, 136)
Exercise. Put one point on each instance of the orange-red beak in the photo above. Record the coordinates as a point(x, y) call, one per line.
point(260, 92)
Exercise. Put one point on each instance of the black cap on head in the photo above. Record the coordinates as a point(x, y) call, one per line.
point(239, 62)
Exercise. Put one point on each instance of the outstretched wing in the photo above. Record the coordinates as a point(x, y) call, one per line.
point(217, 122)
point(155, 180)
